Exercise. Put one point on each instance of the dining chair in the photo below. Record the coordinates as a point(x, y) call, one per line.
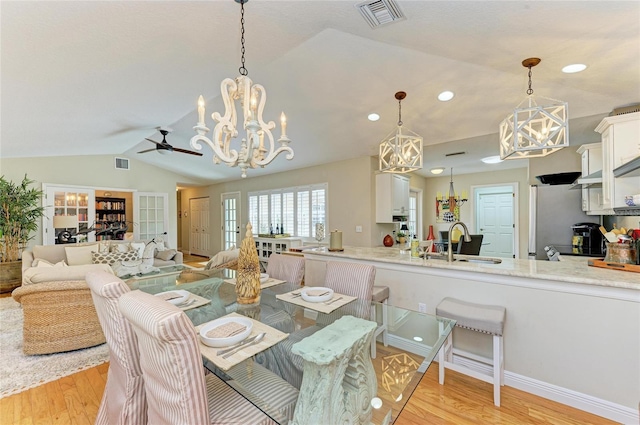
point(352, 279)
point(177, 390)
point(123, 401)
point(470, 248)
point(289, 268)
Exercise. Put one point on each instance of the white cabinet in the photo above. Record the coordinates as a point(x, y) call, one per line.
point(591, 180)
point(268, 246)
point(620, 145)
point(392, 197)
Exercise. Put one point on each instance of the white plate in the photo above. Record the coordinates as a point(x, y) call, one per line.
point(263, 277)
point(184, 295)
point(314, 298)
point(225, 342)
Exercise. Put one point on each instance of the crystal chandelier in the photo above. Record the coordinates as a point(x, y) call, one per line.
point(258, 148)
point(401, 150)
point(534, 130)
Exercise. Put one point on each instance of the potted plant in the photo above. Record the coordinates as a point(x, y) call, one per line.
point(20, 212)
point(402, 237)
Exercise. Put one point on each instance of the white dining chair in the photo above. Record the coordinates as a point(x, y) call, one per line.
point(177, 390)
point(123, 401)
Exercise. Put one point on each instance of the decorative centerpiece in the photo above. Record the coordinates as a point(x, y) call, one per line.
point(319, 232)
point(248, 276)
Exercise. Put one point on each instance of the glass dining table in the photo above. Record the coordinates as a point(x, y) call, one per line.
point(412, 341)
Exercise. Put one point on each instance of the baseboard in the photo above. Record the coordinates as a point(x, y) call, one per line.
point(585, 402)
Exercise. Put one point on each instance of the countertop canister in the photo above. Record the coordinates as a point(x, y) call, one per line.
point(335, 240)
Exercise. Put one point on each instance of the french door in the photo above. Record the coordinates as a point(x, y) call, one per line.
point(150, 215)
point(72, 210)
point(231, 220)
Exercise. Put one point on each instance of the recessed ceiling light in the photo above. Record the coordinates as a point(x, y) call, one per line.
point(373, 117)
point(437, 170)
point(417, 339)
point(492, 159)
point(446, 96)
point(576, 67)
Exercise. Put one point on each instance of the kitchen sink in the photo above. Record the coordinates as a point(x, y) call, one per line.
point(481, 260)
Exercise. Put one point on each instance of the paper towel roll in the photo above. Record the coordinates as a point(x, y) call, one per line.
point(335, 241)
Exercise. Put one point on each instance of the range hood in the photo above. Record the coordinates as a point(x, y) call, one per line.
point(593, 180)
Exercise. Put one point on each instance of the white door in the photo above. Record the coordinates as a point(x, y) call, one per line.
point(199, 236)
point(231, 220)
point(495, 220)
point(77, 204)
point(150, 215)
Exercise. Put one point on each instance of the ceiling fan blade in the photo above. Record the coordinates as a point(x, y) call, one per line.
point(153, 141)
point(187, 151)
point(148, 150)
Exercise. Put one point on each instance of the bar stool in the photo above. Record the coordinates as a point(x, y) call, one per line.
point(487, 319)
point(380, 295)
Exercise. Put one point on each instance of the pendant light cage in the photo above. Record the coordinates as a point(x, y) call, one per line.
point(401, 151)
point(537, 127)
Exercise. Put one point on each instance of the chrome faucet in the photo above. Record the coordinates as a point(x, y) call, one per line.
point(467, 238)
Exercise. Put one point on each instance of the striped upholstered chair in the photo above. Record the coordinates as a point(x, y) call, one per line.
point(352, 279)
point(286, 267)
point(124, 400)
point(175, 383)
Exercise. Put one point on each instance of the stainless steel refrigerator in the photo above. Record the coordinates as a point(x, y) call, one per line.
point(553, 209)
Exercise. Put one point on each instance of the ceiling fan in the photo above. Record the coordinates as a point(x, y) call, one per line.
point(164, 147)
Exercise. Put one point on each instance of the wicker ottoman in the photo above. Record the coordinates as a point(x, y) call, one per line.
point(58, 316)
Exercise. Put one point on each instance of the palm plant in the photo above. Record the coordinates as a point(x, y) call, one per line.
point(19, 215)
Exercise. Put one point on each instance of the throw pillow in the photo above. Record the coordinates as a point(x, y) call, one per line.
point(104, 246)
point(112, 257)
point(148, 254)
point(79, 255)
point(167, 254)
point(121, 247)
point(222, 257)
point(39, 262)
point(138, 247)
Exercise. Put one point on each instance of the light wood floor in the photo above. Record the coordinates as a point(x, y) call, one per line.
point(75, 399)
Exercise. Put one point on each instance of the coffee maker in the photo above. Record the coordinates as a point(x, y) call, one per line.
point(587, 239)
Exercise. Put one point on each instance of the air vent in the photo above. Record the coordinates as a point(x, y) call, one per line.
point(455, 153)
point(626, 110)
point(380, 12)
point(122, 163)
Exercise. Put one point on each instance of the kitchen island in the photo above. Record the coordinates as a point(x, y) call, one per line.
point(572, 332)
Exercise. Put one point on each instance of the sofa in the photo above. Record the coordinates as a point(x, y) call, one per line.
point(59, 314)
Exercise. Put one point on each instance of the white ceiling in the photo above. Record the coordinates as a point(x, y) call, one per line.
point(86, 78)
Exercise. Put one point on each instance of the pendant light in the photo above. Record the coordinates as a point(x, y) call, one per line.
point(401, 150)
point(537, 127)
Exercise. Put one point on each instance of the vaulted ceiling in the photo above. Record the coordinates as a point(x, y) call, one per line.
point(87, 78)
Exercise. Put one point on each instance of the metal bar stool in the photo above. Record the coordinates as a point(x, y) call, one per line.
point(380, 295)
point(487, 319)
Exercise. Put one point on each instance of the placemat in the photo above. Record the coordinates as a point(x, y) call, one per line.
point(270, 282)
point(322, 307)
point(272, 337)
point(200, 301)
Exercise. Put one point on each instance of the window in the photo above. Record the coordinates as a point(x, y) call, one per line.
point(293, 210)
point(414, 223)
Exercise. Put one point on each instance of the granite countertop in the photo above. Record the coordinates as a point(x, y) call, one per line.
point(571, 269)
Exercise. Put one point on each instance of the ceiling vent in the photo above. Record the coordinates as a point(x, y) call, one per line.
point(122, 163)
point(626, 110)
point(455, 153)
point(380, 12)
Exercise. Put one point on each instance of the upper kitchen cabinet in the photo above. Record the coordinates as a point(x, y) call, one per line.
point(392, 197)
point(591, 179)
point(620, 147)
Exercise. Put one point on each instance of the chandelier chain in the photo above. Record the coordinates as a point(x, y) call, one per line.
point(242, 69)
point(530, 90)
point(399, 112)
